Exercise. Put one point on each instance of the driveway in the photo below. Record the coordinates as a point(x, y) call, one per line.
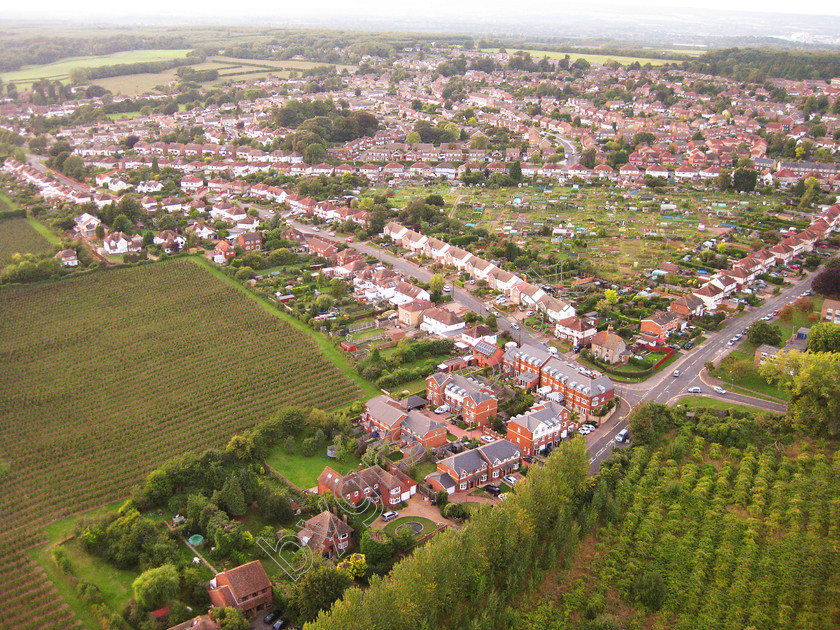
point(418, 505)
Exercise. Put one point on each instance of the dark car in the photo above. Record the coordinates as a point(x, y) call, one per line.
point(689, 345)
point(270, 617)
point(494, 490)
point(453, 421)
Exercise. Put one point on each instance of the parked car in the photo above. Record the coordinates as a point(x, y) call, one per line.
point(349, 240)
point(719, 389)
point(487, 438)
point(689, 345)
point(694, 390)
point(515, 326)
point(731, 342)
point(270, 617)
point(279, 624)
point(442, 409)
point(389, 516)
point(510, 480)
point(491, 489)
point(453, 421)
point(316, 229)
point(447, 288)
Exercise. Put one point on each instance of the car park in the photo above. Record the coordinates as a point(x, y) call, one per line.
point(510, 480)
point(389, 516)
point(694, 390)
point(719, 389)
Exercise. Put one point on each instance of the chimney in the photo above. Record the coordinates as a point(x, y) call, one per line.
point(344, 517)
point(360, 466)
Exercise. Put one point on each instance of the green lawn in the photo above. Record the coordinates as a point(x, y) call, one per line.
point(752, 382)
point(419, 471)
point(428, 525)
point(798, 320)
point(701, 402)
point(303, 471)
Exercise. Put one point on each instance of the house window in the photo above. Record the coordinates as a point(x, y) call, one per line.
point(495, 474)
point(463, 485)
point(484, 477)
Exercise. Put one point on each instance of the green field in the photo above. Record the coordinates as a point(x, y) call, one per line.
point(230, 69)
point(591, 58)
point(18, 236)
point(60, 70)
point(118, 371)
point(704, 402)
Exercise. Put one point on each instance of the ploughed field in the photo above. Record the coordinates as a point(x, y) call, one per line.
point(18, 236)
point(109, 374)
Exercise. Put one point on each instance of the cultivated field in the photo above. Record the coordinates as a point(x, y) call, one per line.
point(60, 70)
point(110, 374)
point(18, 236)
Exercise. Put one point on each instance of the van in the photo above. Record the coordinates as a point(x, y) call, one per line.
point(389, 516)
point(622, 436)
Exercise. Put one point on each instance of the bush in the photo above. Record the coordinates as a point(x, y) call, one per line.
point(650, 590)
point(62, 560)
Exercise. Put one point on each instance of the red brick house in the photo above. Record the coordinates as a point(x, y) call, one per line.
point(372, 484)
point(687, 306)
point(249, 241)
point(472, 468)
point(474, 401)
point(223, 252)
point(661, 325)
point(245, 587)
point(576, 330)
point(390, 421)
point(326, 534)
point(540, 428)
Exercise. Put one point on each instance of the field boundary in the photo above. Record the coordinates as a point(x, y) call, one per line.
point(43, 230)
point(330, 351)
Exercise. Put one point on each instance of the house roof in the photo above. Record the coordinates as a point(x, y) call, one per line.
point(246, 579)
point(608, 340)
point(383, 409)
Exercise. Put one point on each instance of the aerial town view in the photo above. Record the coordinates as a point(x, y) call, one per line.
point(394, 318)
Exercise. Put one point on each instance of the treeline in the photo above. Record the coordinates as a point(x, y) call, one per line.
point(468, 578)
point(754, 65)
point(46, 49)
point(81, 75)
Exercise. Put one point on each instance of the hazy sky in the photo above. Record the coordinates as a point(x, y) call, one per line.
point(254, 10)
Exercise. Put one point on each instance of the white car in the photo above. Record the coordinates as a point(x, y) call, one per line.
point(694, 390)
point(316, 229)
point(442, 409)
point(510, 480)
point(487, 438)
point(515, 326)
point(389, 516)
point(676, 373)
point(719, 389)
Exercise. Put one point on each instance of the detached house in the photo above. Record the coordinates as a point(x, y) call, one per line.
point(438, 321)
point(326, 534)
point(608, 347)
point(68, 257)
point(118, 243)
point(246, 587)
point(373, 484)
point(249, 241)
point(576, 330)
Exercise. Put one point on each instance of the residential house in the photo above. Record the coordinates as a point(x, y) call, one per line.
point(372, 484)
point(687, 306)
point(765, 353)
point(117, 243)
point(578, 331)
point(608, 346)
point(661, 325)
point(86, 225)
point(585, 391)
point(411, 313)
point(68, 257)
point(223, 252)
point(472, 468)
point(474, 401)
point(249, 241)
point(326, 534)
point(439, 321)
point(540, 428)
point(245, 587)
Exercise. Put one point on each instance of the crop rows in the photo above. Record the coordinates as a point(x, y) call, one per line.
point(748, 541)
point(17, 236)
point(110, 374)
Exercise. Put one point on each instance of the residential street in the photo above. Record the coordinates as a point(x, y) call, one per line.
point(662, 387)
